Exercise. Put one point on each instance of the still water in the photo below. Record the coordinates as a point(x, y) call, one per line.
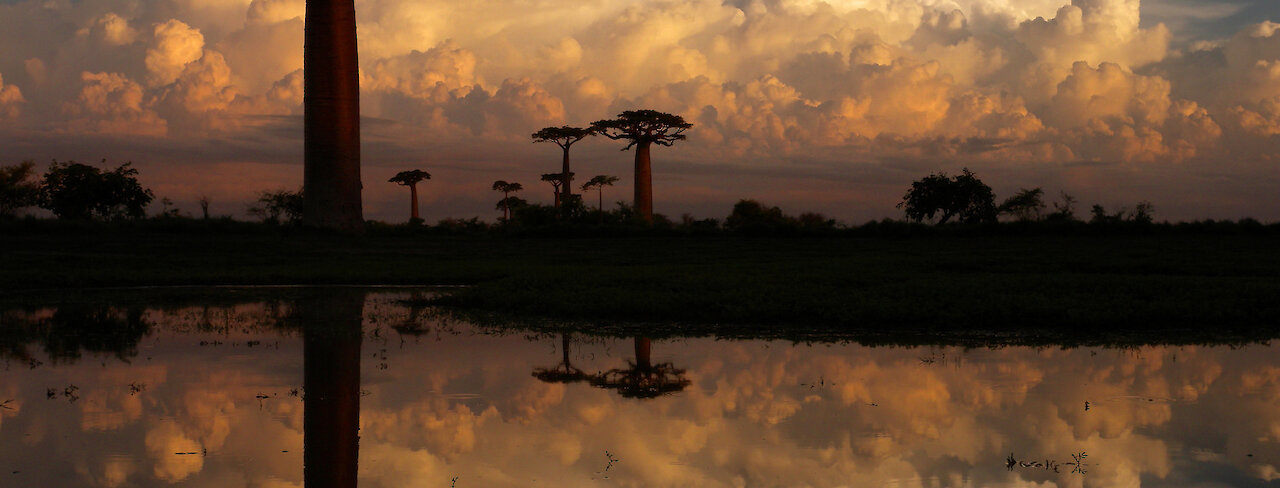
point(348, 387)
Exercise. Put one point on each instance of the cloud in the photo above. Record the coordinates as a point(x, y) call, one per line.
point(176, 44)
point(10, 100)
point(833, 86)
point(112, 103)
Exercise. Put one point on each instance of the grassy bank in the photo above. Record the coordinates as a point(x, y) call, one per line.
point(1210, 283)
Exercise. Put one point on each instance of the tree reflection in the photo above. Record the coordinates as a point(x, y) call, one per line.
point(642, 379)
point(73, 330)
point(331, 329)
point(563, 372)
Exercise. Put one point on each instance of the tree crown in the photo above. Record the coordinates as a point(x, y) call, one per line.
point(411, 177)
point(599, 181)
point(505, 187)
point(964, 195)
point(78, 191)
point(563, 136)
point(644, 126)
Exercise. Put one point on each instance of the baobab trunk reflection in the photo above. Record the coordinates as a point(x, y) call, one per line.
point(331, 384)
point(331, 106)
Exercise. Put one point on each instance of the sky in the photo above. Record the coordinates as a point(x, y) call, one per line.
point(831, 107)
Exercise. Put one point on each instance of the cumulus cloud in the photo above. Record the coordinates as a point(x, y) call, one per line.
point(176, 44)
point(112, 103)
point(10, 100)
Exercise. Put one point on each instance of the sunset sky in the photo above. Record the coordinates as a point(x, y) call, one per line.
point(832, 106)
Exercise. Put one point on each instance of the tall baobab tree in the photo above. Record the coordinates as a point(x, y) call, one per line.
point(557, 184)
point(644, 128)
point(507, 189)
point(411, 179)
point(564, 137)
point(331, 106)
point(599, 182)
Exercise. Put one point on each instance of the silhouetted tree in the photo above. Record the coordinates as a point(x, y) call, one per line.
point(1025, 205)
point(411, 179)
point(506, 203)
point(1142, 212)
point(556, 180)
point(204, 206)
point(1065, 211)
point(599, 182)
point(18, 187)
point(750, 215)
point(77, 191)
point(331, 106)
point(643, 128)
point(564, 137)
point(271, 205)
point(963, 196)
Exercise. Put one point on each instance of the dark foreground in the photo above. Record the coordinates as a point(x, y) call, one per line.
point(1058, 287)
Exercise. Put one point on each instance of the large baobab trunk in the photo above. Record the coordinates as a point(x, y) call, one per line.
point(413, 200)
point(331, 102)
point(644, 182)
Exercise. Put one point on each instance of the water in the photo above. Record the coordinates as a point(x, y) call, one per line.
point(245, 391)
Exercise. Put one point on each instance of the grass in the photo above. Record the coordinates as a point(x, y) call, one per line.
point(1198, 284)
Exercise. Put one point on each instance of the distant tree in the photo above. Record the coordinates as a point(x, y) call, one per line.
point(599, 182)
point(751, 216)
point(168, 209)
point(1065, 211)
point(1025, 205)
point(556, 180)
point(506, 204)
point(80, 192)
point(964, 196)
point(1142, 212)
point(643, 128)
point(18, 188)
point(204, 206)
point(271, 205)
point(411, 179)
point(564, 137)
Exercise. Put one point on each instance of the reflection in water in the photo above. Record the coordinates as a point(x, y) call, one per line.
point(643, 379)
point(205, 396)
point(332, 333)
point(563, 372)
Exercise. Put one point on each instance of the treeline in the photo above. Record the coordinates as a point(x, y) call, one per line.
point(935, 204)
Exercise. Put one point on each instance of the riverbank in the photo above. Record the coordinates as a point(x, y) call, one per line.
point(1203, 283)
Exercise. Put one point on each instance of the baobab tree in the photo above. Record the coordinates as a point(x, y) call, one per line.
point(331, 106)
point(564, 137)
point(557, 184)
point(599, 182)
point(644, 128)
point(411, 179)
point(506, 203)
